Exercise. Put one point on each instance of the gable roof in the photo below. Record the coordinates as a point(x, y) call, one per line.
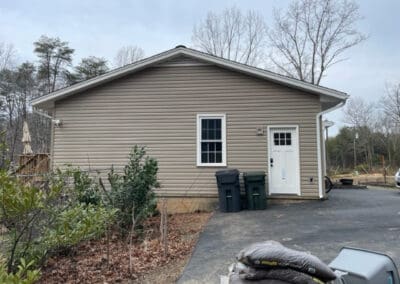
point(49, 99)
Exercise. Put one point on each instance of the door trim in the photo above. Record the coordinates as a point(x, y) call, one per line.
point(297, 151)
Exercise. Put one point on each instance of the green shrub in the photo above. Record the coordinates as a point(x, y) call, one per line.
point(42, 221)
point(24, 274)
point(77, 224)
point(134, 189)
point(20, 210)
point(63, 213)
point(17, 200)
point(86, 188)
point(78, 185)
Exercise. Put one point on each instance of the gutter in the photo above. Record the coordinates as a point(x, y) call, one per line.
point(319, 142)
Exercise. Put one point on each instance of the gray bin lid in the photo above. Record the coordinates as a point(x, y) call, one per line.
point(363, 263)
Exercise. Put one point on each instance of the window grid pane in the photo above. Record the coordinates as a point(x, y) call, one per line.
point(211, 140)
point(282, 139)
point(211, 152)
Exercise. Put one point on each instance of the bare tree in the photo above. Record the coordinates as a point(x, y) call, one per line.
point(358, 112)
point(361, 115)
point(127, 55)
point(388, 130)
point(391, 102)
point(9, 109)
point(232, 35)
point(390, 105)
point(26, 86)
point(7, 55)
point(17, 87)
point(312, 35)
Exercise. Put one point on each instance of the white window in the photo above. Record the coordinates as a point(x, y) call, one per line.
point(211, 140)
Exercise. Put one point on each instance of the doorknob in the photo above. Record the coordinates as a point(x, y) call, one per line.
point(271, 162)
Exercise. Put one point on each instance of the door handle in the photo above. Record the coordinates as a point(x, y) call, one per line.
point(271, 162)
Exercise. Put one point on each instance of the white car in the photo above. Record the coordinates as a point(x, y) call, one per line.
point(397, 179)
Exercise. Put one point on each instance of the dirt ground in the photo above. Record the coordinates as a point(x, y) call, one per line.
point(166, 274)
point(90, 264)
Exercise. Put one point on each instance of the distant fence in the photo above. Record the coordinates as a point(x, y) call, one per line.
point(35, 169)
point(32, 168)
point(378, 180)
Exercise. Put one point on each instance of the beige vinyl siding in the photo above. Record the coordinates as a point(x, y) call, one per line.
point(182, 60)
point(157, 107)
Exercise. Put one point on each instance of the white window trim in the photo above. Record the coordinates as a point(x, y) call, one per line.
point(223, 139)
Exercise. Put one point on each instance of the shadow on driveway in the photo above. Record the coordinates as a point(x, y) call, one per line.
point(368, 219)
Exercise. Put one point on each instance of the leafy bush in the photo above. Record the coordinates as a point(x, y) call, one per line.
point(86, 188)
point(78, 185)
point(133, 190)
point(17, 199)
point(41, 221)
point(20, 208)
point(24, 274)
point(76, 224)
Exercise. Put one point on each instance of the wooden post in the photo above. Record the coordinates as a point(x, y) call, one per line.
point(131, 233)
point(164, 226)
point(384, 169)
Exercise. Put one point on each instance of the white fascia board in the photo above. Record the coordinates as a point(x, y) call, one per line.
point(266, 74)
point(114, 74)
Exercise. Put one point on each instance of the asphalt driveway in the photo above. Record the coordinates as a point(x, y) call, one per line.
point(367, 219)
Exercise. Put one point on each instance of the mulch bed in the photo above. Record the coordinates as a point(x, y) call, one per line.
point(90, 265)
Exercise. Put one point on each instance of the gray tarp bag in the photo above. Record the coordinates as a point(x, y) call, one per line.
point(272, 254)
point(234, 278)
point(283, 274)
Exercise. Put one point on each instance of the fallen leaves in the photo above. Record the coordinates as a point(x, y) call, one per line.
point(90, 264)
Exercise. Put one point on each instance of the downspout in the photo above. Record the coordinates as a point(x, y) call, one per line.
point(319, 146)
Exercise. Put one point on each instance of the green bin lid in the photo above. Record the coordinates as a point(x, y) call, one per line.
point(254, 174)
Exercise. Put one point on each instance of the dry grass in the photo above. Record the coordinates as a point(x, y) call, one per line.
point(373, 178)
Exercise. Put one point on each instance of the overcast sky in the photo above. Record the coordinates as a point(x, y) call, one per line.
point(100, 28)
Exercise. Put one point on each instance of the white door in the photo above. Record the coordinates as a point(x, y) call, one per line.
point(283, 161)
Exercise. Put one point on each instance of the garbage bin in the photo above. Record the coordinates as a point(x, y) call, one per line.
point(254, 184)
point(354, 265)
point(228, 190)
